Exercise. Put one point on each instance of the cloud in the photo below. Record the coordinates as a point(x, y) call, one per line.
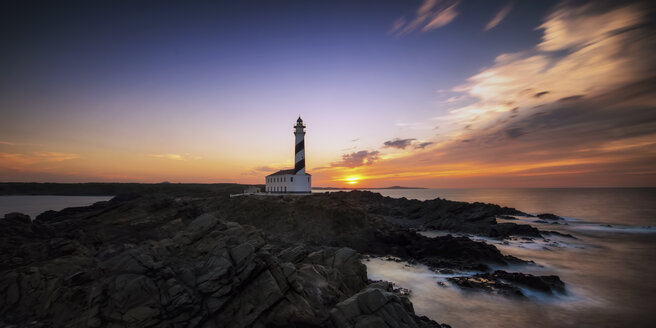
point(570, 98)
point(454, 99)
point(175, 157)
point(423, 145)
point(398, 143)
point(571, 27)
point(6, 143)
point(431, 14)
point(505, 10)
point(20, 161)
point(596, 125)
point(442, 17)
point(259, 170)
point(356, 159)
point(265, 169)
point(515, 132)
point(614, 58)
point(17, 161)
point(55, 156)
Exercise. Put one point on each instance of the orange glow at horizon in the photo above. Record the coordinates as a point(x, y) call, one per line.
point(352, 180)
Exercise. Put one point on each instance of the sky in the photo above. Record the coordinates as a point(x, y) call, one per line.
point(432, 93)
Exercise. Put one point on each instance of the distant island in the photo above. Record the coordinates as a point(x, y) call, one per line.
point(357, 188)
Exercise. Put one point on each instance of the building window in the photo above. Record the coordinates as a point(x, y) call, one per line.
point(291, 179)
point(285, 188)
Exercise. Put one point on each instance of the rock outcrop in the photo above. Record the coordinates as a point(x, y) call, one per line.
point(508, 283)
point(377, 306)
point(355, 209)
point(353, 219)
point(144, 260)
point(550, 217)
point(210, 274)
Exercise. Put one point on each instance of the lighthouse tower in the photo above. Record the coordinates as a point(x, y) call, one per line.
point(295, 180)
point(299, 132)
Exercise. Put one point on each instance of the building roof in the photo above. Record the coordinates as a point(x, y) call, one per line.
point(283, 172)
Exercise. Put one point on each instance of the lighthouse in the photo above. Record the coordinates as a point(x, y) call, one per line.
point(299, 149)
point(295, 180)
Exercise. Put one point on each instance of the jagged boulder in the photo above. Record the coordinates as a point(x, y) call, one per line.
point(376, 306)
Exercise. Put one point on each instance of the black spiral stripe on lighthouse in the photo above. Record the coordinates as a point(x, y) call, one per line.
point(299, 165)
point(300, 146)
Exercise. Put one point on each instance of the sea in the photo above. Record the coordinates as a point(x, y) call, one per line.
point(609, 269)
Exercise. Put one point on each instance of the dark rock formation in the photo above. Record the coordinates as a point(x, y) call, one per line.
point(378, 306)
point(146, 259)
point(17, 217)
point(507, 283)
point(483, 282)
point(439, 214)
point(550, 217)
point(209, 274)
point(346, 219)
point(545, 284)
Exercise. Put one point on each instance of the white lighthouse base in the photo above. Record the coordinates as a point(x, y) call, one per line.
point(285, 182)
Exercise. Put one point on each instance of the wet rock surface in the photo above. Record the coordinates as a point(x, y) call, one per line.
point(508, 283)
point(550, 217)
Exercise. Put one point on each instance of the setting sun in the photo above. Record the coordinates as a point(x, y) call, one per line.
point(352, 180)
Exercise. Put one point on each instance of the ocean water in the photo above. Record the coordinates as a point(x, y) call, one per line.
point(35, 205)
point(609, 269)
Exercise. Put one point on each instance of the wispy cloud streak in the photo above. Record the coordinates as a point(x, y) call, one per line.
point(500, 16)
point(432, 14)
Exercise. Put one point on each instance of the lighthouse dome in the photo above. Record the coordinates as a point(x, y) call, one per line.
point(299, 120)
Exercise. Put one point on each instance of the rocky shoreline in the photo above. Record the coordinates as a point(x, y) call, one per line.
point(144, 260)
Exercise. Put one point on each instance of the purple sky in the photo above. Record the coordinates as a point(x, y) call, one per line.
point(427, 93)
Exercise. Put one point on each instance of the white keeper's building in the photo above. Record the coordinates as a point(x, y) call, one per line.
point(294, 180)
